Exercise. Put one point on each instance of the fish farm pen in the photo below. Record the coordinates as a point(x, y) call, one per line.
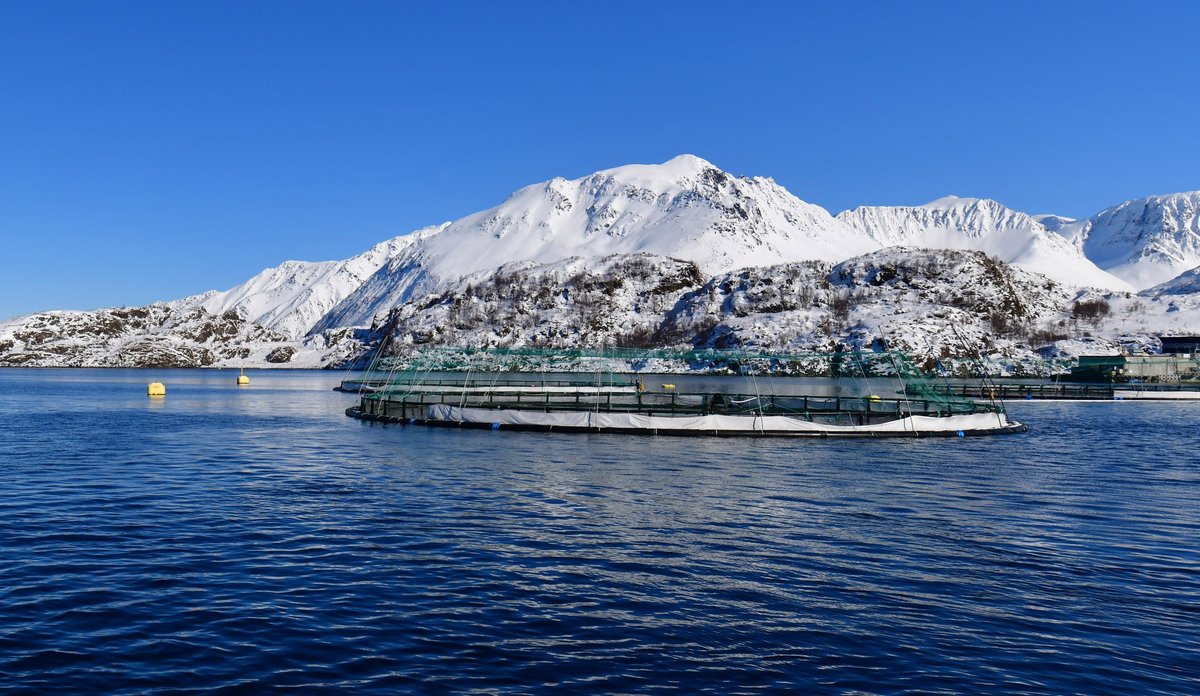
point(510, 389)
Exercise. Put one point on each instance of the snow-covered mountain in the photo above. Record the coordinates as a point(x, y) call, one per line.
point(291, 297)
point(685, 208)
point(679, 252)
point(980, 224)
point(1146, 241)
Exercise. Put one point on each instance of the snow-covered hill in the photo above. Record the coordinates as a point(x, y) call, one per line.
point(157, 335)
point(162, 335)
point(1146, 241)
point(985, 225)
point(929, 303)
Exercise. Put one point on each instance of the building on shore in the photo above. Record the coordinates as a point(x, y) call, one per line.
point(1180, 345)
point(1167, 367)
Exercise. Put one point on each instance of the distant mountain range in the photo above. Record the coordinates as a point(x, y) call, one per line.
point(687, 210)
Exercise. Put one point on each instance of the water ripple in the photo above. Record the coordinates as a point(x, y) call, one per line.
point(256, 540)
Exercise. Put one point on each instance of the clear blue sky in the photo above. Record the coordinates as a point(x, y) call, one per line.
point(150, 150)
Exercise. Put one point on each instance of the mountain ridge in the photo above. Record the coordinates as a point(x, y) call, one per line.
point(688, 208)
point(982, 224)
point(684, 208)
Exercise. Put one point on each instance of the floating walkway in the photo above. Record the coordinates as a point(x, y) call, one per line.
point(1072, 391)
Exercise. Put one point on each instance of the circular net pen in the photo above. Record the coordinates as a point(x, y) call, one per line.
point(662, 392)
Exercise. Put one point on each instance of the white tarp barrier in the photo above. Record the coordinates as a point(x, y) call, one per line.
point(1156, 395)
point(485, 388)
point(711, 423)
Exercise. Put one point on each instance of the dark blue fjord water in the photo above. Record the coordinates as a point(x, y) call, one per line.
point(256, 540)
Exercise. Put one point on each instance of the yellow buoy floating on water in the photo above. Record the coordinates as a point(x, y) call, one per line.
point(243, 380)
point(156, 389)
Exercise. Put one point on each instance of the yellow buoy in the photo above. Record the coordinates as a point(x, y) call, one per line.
point(243, 380)
point(668, 386)
point(156, 389)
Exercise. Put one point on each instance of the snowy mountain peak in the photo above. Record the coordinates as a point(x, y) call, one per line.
point(1145, 241)
point(1053, 222)
point(685, 208)
point(689, 160)
point(679, 167)
point(946, 202)
point(678, 173)
point(972, 217)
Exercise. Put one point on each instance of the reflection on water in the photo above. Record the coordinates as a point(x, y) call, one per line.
point(256, 538)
